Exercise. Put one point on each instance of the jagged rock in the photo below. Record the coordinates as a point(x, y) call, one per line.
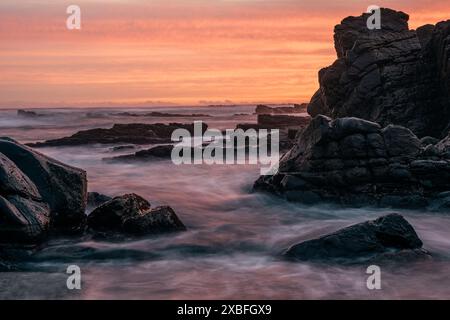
point(131, 214)
point(390, 76)
point(96, 199)
point(136, 133)
point(356, 162)
point(38, 194)
point(372, 240)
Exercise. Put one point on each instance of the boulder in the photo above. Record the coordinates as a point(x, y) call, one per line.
point(96, 199)
point(355, 162)
point(38, 195)
point(388, 235)
point(390, 76)
point(131, 214)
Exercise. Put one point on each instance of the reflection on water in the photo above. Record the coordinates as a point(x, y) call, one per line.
point(231, 250)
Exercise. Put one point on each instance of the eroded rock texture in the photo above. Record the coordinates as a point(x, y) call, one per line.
point(389, 76)
point(357, 162)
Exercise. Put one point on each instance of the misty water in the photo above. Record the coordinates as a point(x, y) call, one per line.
point(234, 239)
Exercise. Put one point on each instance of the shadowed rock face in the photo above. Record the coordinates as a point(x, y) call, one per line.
point(390, 235)
point(38, 194)
point(131, 214)
point(356, 162)
point(96, 199)
point(390, 76)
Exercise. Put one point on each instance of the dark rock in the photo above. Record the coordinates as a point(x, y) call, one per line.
point(38, 195)
point(179, 115)
point(162, 151)
point(281, 122)
point(338, 159)
point(425, 141)
point(266, 121)
point(400, 141)
point(96, 199)
point(27, 114)
point(124, 147)
point(161, 115)
point(297, 108)
point(131, 214)
point(135, 133)
point(390, 234)
point(390, 76)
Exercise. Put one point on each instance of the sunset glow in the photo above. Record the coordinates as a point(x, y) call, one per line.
point(174, 52)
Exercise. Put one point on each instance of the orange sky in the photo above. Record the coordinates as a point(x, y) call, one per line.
point(158, 52)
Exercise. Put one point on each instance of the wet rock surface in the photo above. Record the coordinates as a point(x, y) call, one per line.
point(131, 214)
point(38, 195)
point(389, 76)
point(356, 162)
point(96, 199)
point(135, 133)
point(388, 236)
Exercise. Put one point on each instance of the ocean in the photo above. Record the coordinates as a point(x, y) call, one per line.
point(235, 236)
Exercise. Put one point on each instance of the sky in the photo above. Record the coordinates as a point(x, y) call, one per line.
point(175, 52)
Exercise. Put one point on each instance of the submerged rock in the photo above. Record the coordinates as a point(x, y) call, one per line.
point(27, 114)
point(390, 76)
point(131, 214)
point(356, 162)
point(389, 236)
point(135, 133)
point(158, 152)
point(38, 195)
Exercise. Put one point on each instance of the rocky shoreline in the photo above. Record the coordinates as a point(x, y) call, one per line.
point(380, 129)
point(379, 136)
point(41, 198)
point(355, 162)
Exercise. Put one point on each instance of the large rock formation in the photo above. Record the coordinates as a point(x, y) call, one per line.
point(136, 133)
point(390, 236)
point(131, 214)
point(38, 194)
point(390, 76)
point(356, 162)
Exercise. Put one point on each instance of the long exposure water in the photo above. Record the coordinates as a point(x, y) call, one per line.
point(234, 239)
